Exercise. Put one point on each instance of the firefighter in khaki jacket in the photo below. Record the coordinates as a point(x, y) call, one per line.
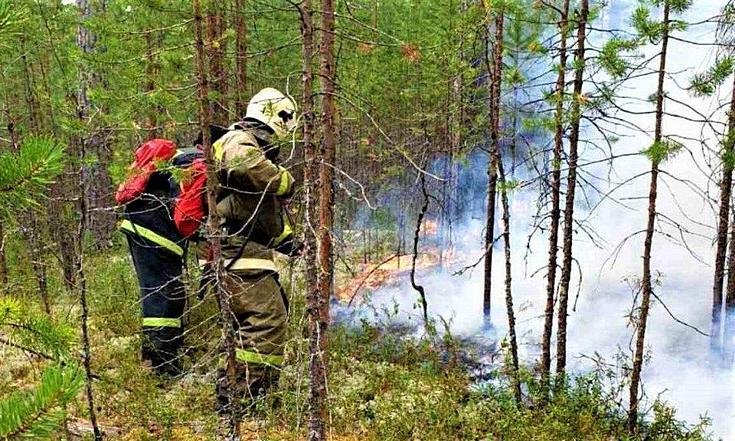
point(255, 223)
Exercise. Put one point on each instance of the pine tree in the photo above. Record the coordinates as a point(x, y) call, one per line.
point(555, 214)
point(314, 299)
point(576, 117)
point(660, 150)
point(705, 85)
point(319, 309)
point(203, 53)
point(38, 413)
point(25, 175)
point(495, 78)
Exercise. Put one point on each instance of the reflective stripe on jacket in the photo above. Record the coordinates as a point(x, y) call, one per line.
point(246, 166)
point(250, 205)
point(151, 236)
point(245, 264)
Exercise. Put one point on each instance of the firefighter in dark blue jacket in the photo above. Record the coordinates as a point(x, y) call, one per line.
point(158, 253)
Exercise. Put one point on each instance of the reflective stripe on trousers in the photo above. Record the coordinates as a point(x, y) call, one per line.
point(161, 322)
point(254, 357)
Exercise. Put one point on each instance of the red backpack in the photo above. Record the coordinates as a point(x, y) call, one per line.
point(190, 206)
point(188, 195)
point(146, 158)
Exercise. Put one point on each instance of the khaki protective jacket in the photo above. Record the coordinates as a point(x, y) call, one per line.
point(250, 203)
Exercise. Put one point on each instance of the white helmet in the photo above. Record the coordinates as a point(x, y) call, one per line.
point(274, 109)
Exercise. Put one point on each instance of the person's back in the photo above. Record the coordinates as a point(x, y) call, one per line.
point(157, 250)
point(255, 224)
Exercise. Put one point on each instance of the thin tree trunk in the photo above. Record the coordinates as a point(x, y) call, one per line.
point(32, 223)
point(420, 289)
point(646, 284)
point(36, 255)
point(11, 128)
point(318, 365)
point(81, 282)
point(515, 378)
point(3, 261)
point(100, 221)
point(217, 46)
point(82, 289)
point(566, 270)
point(213, 221)
point(150, 122)
point(83, 41)
point(555, 200)
point(716, 337)
point(3, 258)
point(728, 346)
point(495, 86)
point(241, 61)
point(314, 299)
point(30, 96)
point(62, 229)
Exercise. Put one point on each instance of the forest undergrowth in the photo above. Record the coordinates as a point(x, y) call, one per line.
point(386, 381)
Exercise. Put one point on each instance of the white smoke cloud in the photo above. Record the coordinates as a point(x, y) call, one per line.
point(679, 369)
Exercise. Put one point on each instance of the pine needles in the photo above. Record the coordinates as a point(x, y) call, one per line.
point(39, 412)
point(24, 174)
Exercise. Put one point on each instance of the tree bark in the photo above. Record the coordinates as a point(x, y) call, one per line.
point(320, 315)
point(84, 42)
point(3, 258)
point(716, 336)
point(495, 83)
point(32, 232)
point(515, 368)
point(566, 270)
point(101, 221)
point(728, 346)
point(314, 299)
point(217, 47)
point(646, 284)
point(241, 60)
point(316, 325)
point(3, 261)
point(32, 224)
point(555, 200)
point(232, 429)
point(420, 289)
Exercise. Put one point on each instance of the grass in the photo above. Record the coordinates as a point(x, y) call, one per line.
point(383, 385)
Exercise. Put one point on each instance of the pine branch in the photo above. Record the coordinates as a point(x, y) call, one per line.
point(38, 413)
point(11, 16)
point(34, 330)
point(25, 174)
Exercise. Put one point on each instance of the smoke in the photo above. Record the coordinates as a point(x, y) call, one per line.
point(678, 370)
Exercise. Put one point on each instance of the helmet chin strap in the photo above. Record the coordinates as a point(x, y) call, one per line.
point(252, 121)
point(274, 109)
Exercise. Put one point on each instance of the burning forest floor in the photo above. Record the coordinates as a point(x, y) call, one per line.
point(479, 354)
point(389, 379)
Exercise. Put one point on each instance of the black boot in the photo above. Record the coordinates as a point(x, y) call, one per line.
point(161, 348)
point(252, 383)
